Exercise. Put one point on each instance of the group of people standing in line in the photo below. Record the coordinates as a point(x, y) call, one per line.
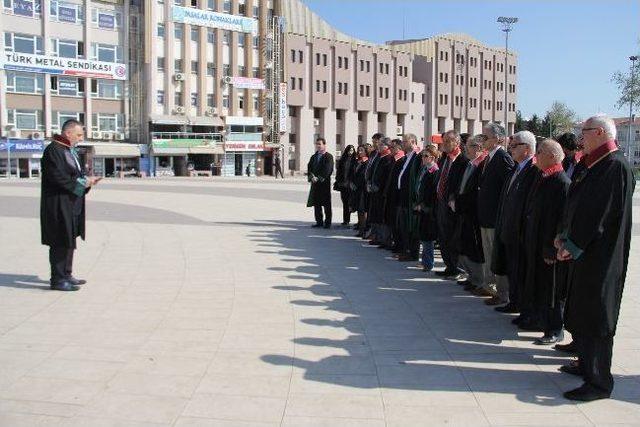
point(541, 230)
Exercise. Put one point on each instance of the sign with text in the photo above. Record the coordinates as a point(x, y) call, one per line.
point(67, 14)
point(62, 66)
point(106, 20)
point(21, 145)
point(183, 143)
point(23, 7)
point(205, 18)
point(247, 83)
point(244, 146)
point(282, 108)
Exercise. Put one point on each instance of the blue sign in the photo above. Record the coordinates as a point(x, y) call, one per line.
point(67, 14)
point(22, 145)
point(204, 18)
point(145, 165)
point(106, 21)
point(23, 7)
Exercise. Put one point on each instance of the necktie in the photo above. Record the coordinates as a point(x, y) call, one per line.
point(442, 184)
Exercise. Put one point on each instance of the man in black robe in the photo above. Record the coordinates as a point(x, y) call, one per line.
point(408, 224)
point(319, 170)
point(391, 196)
point(451, 172)
point(374, 158)
point(62, 204)
point(378, 183)
point(596, 235)
point(544, 278)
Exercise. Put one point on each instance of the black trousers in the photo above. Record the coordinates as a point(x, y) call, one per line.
point(446, 236)
point(551, 317)
point(345, 195)
point(594, 354)
point(408, 243)
point(61, 262)
point(317, 210)
point(279, 171)
point(516, 278)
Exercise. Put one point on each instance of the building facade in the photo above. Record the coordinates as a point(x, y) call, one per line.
point(63, 60)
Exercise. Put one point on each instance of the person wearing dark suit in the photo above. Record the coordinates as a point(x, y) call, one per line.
point(545, 278)
point(374, 158)
point(466, 207)
point(510, 227)
point(495, 169)
point(344, 169)
point(378, 183)
point(62, 204)
point(426, 204)
point(319, 170)
point(451, 172)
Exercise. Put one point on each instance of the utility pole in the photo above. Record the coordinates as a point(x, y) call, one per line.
point(633, 68)
point(507, 24)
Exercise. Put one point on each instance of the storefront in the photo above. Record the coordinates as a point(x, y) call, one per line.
point(117, 160)
point(244, 150)
point(20, 158)
point(186, 157)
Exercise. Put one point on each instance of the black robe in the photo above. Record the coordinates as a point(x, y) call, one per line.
point(598, 221)
point(379, 178)
point(469, 238)
point(357, 201)
point(391, 193)
point(543, 216)
point(427, 200)
point(62, 204)
point(320, 191)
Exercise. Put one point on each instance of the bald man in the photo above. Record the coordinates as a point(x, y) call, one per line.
point(544, 283)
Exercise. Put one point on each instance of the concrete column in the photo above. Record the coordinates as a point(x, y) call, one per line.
point(305, 144)
point(350, 135)
point(329, 124)
point(371, 127)
point(390, 126)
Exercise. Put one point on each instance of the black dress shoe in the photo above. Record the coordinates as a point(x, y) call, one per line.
point(549, 339)
point(586, 393)
point(464, 282)
point(64, 286)
point(567, 348)
point(316, 226)
point(571, 370)
point(510, 308)
point(518, 320)
point(75, 281)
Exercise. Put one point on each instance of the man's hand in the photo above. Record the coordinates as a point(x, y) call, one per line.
point(557, 243)
point(563, 255)
point(314, 179)
point(549, 261)
point(92, 180)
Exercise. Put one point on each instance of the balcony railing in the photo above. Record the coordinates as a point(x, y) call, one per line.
point(244, 137)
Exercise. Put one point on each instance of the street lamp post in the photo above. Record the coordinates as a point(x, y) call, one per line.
point(507, 24)
point(633, 59)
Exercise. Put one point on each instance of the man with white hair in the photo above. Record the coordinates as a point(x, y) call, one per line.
point(494, 172)
point(596, 235)
point(544, 284)
point(509, 225)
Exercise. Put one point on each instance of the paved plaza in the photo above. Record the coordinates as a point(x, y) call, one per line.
point(213, 303)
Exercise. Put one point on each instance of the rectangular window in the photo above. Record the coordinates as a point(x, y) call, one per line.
point(381, 92)
point(26, 119)
point(242, 70)
point(226, 69)
point(324, 59)
point(240, 102)
point(103, 122)
point(293, 83)
point(211, 4)
point(177, 99)
point(194, 99)
point(255, 72)
point(28, 8)
point(161, 64)
point(226, 37)
point(67, 48)
point(195, 34)
point(317, 85)
point(346, 88)
point(211, 69)
point(23, 43)
point(211, 36)
point(300, 57)
point(178, 31)
point(194, 67)
point(300, 83)
point(346, 63)
point(386, 68)
point(227, 6)
point(368, 66)
point(368, 91)
point(381, 67)
point(177, 65)
point(67, 86)
point(225, 101)
point(256, 11)
point(160, 97)
point(106, 52)
point(339, 61)
point(241, 39)
point(361, 65)
point(361, 90)
point(105, 19)
point(256, 102)
point(211, 100)
point(317, 59)
point(160, 30)
point(24, 82)
point(72, 13)
point(340, 87)
point(324, 86)
point(386, 92)
point(106, 89)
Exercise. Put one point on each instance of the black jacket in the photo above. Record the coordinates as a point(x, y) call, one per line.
point(456, 171)
point(470, 239)
point(320, 191)
point(493, 174)
point(62, 204)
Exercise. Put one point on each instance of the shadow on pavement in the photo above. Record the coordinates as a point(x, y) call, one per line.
point(22, 281)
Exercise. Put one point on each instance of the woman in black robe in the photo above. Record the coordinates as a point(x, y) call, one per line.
point(425, 206)
point(343, 176)
point(358, 189)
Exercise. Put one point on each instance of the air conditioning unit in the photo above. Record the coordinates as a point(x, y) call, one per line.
point(107, 135)
point(37, 135)
point(227, 80)
point(179, 77)
point(179, 109)
point(120, 136)
point(14, 133)
point(96, 135)
point(316, 122)
point(399, 130)
point(211, 111)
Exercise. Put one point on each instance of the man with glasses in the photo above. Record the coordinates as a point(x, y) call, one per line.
point(595, 236)
point(494, 172)
point(509, 229)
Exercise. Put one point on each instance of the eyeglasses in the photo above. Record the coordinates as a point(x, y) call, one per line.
point(587, 129)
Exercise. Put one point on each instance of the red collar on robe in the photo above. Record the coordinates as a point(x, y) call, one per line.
point(553, 170)
point(62, 140)
point(385, 152)
point(433, 168)
point(453, 155)
point(483, 154)
point(399, 155)
point(599, 153)
point(578, 156)
point(363, 159)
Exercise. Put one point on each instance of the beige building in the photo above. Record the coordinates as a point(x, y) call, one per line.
point(61, 60)
point(466, 82)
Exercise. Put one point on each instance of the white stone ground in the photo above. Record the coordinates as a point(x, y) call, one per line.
point(212, 303)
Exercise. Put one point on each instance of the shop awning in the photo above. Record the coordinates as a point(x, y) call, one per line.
point(206, 150)
point(116, 150)
point(206, 121)
point(182, 151)
point(163, 119)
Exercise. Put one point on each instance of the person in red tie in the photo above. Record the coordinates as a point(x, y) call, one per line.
point(596, 235)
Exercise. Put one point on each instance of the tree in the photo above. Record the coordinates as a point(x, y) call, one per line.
point(521, 124)
point(558, 119)
point(628, 87)
point(534, 125)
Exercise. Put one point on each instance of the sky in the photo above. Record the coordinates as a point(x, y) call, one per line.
point(568, 50)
